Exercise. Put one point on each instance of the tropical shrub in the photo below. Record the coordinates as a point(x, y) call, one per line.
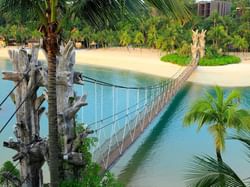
point(8, 167)
point(185, 50)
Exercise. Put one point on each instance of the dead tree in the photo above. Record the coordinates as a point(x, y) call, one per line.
point(68, 104)
point(31, 149)
point(30, 74)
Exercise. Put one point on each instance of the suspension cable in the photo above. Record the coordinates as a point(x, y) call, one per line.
point(13, 89)
point(20, 105)
point(119, 86)
point(155, 86)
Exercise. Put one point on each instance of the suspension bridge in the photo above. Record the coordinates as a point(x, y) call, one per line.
point(119, 130)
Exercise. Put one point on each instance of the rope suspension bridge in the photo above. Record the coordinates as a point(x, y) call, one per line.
point(118, 131)
point(115, 132)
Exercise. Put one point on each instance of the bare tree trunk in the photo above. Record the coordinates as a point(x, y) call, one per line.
point(68, 105)
point(28, 144)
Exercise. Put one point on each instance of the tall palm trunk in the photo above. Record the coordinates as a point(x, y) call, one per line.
point(220, 161)
point(52, 108)
point(218, 154)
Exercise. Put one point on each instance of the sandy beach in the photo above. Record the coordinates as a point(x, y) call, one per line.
point(148, 61)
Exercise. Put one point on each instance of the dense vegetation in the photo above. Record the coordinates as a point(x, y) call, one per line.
point(206, 61)
point(229, 33)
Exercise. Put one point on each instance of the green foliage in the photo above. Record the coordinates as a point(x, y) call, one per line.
point(76, 35)
point(228, 33)
point(206, 171)
point(184, 50)
point(139, 39)
point(218, 35)
point(8, 167)
point(93, 179)
point(212, 52)
point(243, 137)
point(206, 61)
point(239, 43)
point(176, 59)
point(219, 113)
point(90, 174)
point(125, 38)
point(219, 60)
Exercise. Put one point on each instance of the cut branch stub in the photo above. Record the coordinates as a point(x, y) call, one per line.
point(12, 76)
point(71, 111)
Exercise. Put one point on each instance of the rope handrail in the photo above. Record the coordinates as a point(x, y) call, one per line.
point(14, 88)
point(155, 86)
point(91, 80)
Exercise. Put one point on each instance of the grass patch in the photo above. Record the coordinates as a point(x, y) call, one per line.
point(211, 61)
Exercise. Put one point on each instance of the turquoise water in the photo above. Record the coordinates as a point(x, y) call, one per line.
point(160, 156)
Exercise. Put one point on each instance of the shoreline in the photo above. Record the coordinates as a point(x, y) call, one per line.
point(148, 61)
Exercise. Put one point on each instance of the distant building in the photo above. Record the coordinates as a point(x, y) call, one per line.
point(206, 8)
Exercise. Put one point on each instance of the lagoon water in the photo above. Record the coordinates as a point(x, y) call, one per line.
point(160, 157)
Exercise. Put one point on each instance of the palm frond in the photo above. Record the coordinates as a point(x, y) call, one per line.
point(28, 9)
point(219, 97)
point(237, 118)
point(174, 8)
point(244, 137)
point(202, 112)
point(233, 97)
point(206, 171)
point(101, 13)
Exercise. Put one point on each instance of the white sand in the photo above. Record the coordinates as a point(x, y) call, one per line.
point(148, 61)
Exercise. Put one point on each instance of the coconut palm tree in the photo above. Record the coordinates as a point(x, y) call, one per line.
point(50, 13)
point(206, 171)
point(219, 114)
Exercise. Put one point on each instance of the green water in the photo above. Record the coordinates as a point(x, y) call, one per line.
point(160, 156)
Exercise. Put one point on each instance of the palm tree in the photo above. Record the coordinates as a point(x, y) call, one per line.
point(206, 171)
point(139, 39)
point(239, 43)
point(218, 35)
point(50, 14)
point(218, 114)
point(125, 39)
